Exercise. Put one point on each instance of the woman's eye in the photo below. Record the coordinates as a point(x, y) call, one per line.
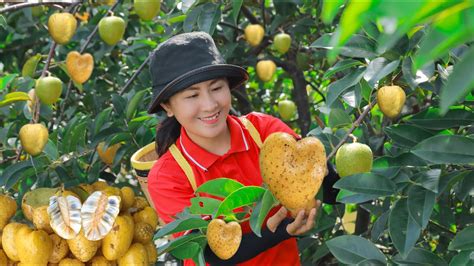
point(216, 89)
point(191, 96)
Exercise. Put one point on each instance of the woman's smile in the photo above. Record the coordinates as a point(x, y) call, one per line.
point(211, 119)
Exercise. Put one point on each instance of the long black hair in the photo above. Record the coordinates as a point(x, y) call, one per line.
point(167, 132)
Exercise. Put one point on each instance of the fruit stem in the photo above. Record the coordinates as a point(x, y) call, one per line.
point(354, 138)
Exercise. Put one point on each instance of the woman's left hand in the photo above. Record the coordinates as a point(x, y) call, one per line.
point(303, 222)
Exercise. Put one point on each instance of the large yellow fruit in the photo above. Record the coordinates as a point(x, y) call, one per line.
point(224, 239)
point(147, 215)
point(79, 66)
point(254, 34)
point(293, 170)
point(34, 246)
point(118, 240)
point(60, 248)
point(8, 240)
point(391, 100)
point(111, 29)
point(83, 248)
point(48, 89)
point(152, 252)
point(107, 156)
point(8, 209)
point(143, 233)
point(265, 70)
point(33, 138)
point(147, 9)
point(128, 197)
point(62, 27)
point(36, 198)
point(136, 255)
point(282, 42)
point(353, 158)
point(41, 219)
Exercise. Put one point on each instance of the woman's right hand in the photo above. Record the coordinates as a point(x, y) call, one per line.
point(302, 223)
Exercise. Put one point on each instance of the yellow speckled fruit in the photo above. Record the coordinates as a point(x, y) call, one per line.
point(128, 197)
point(33, 138)
point(143, 233)
point(118, 240)
point(100, 260)
point(35, 199)
point(224, 239)
point(8, 240)
point(152, 252)
point(62, 27)
point(83, 248)
point(391, 100)
point(3, 258)
point(79, 66)
point(8, 207)
point(147, 9)
point(136, 255)
point(71, 262)
point(99, 185)
point(293, 170)
point(140, 203)
point(34, 246)
point(107, 156)
point(60, 248)
point(265, 70)
point(147, 215)
point(254, 34)
point(41, 219)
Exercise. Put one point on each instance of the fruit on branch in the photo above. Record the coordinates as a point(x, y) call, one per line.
point(79, 66)
point(353, 158)
point(48, 89)
point(107, 156)
point(254, 34)
point(224, 238)
point(111, 29)
point(33, 138)
point(8, 207)
point(287, 109)
point(282, 42)
point(147, 9)
point(391, 100)
point(293, 170)
point(265, 70)
point(62, 27)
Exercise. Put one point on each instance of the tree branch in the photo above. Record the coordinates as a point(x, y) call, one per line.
point(139, 70)
point(16, 7)
point(248, 14)
point(227, 24)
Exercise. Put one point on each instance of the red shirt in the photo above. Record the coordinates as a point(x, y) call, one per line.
point(171, 191)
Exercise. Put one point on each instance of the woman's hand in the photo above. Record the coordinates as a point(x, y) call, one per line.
point(302, 223)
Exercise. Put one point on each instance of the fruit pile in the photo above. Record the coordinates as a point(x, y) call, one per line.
point(94, 223)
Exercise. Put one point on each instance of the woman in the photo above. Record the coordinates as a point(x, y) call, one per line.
point(200, 141)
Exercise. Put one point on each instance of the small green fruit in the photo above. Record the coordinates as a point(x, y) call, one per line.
point(111, 29)
point(287, 109)
point(282, 42)
point(48, 89)
point(147, 9)
point(353, 158)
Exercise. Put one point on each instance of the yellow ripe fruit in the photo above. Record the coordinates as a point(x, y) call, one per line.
point(8, 207)
point(254, 34)
point(147, 9)
point(147, 215)
point(107, 156)
point(118, 240)
point(83, 248)
point(60, 248)
point(79, 66)
point(143, 233)
point(224, 239)
point(62, 27)
point(36, 198)
point(34, 246)
point(8, 240)
point(99, 185)
point(33, 138)
point(71, 262)
point(391, 100)
point(41, 219)
point(140, 203)
point(152, 252)
point(136, 256)
point(3, 258)
point(265, 70)
point(128, 197)
point(101, 261)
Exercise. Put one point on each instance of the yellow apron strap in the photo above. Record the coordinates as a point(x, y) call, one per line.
point(252, 130)
point(178, 156)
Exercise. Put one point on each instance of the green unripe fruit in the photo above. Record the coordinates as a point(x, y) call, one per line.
point(287, 109)
point(147, 9)
point(111, 29)
point(282, 42)
point(48, 89)
point(353, 158)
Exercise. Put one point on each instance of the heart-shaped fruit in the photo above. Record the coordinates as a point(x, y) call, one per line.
point(79, 66)
point(286, 109)
point(254, 34)
point(353, 158)
point(265, 70)
point(224, 239)
point(147, 9)
point(111, 29)
point(33, 138)
point(62, 27)
point(391, 100)
point(48, 89)
point(293, 170)
point(282, 42)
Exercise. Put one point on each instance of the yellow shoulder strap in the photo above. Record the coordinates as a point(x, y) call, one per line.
point(252, 130)
point(178, 156)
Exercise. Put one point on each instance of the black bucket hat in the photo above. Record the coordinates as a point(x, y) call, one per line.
point(187, 59)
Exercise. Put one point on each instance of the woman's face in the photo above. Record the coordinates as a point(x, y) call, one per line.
point(202, 109)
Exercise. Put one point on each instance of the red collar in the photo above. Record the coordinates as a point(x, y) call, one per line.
point(204, 159)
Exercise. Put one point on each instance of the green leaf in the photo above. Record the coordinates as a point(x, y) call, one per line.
point(407, 135)
point(191, 18)
point(51, 150)
point(186, 251)
point(209, 17)
point(133, 104)
point(203, 205)
point(330, 9)
point(429, 179)
point(367, 183)
point(29, 68)
point(6, 80)
point(465, 188)
point(12, 170)
point(180, 225)
point(420, 204)
point(338, 118)
point(379, 226)
point(336, 88)
point(221, 187)
point(446, 149)
point(14, 97)
point(346, 196)
point(350, 249)
point(119, 102)
point(460, 82)
point(340, 66)
point(433, 119)
point(465, 258)
point(236, 6)
point(419, 256)
point(241, 197)
point(463, 240)
point(101, 118)
point(180, 242)
point(359, 46)
point(403, 230)
point(353, 17)
point(260, 212)
point(378, 69)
